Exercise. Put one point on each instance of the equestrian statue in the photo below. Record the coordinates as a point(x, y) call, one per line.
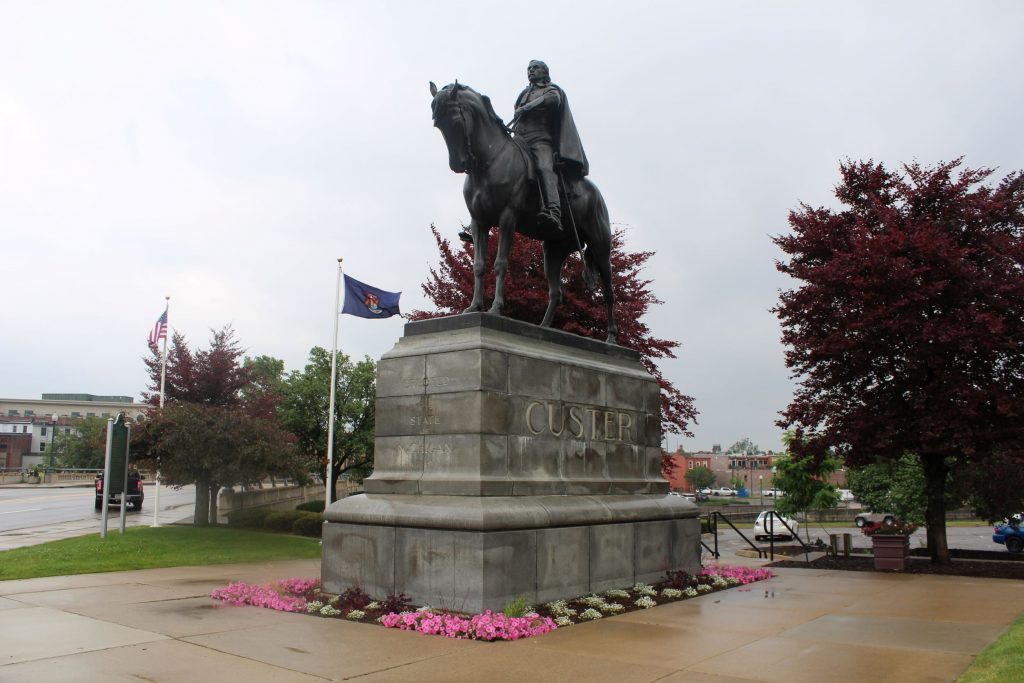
point(527, 177)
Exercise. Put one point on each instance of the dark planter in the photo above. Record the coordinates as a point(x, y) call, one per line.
point(891, 552)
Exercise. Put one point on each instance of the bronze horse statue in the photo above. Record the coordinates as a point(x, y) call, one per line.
point(498, 191)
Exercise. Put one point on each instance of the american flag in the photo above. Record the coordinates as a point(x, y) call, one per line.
point(159, 330)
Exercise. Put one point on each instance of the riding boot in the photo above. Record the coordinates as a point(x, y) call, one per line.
point(551, 215)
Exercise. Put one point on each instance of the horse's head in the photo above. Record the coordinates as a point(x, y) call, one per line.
point(461, 113)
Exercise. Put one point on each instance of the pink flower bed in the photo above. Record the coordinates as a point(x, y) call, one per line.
point(744, 575)
point(287, 595)
point(303, 595)
point(487, 626)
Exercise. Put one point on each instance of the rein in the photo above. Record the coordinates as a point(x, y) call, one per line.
point(475, 165)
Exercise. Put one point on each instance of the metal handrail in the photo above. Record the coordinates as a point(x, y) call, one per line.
point(716, 514)
point(772, 515)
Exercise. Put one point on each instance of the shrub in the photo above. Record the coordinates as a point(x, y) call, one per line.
point(395, 603)
point(311, 506)
point(252, 518)
point(353, 598)
point(309, 524)
point(280, 521)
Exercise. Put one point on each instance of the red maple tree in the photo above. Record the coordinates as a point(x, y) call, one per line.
point(582, 311)
point(906, 333)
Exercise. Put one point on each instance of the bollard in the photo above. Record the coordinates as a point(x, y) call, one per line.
point(834, 542)
point(847, 544)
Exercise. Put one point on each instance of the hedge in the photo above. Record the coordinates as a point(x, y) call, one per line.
point(252, 518)
point(311, 506)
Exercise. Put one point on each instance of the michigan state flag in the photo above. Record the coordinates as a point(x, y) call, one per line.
point(365, 301)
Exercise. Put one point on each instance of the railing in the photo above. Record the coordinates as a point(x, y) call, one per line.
point(713, 525)
point(770, 520)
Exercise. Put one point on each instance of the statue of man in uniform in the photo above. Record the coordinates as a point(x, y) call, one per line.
point(544, 121)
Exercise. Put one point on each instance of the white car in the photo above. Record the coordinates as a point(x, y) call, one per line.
point(845, 495)
point(769, 524)
point(772, 493)
point(723, 491)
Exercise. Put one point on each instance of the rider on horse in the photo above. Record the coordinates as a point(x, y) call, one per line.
point(543, 120)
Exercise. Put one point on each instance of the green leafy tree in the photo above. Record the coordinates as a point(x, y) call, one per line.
point(304, 412)
point(744, 447)
point(700, 477)
point(262, 394)
point(84, 445)
point(804, 481)
point(898, 486)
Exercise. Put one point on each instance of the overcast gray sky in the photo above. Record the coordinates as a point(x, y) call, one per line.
point(226, 153)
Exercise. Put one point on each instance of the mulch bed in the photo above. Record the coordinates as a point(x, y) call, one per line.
point(978, 563)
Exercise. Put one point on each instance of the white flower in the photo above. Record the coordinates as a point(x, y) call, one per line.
point(611, 607)
point(703, 588)
point(425, 608)
point(563, 621)
point(645, 602)
point(593, 601)
point(355, 615)
point(373, 605)
point(313, 607)
point(644, 589)
point(590, 614)
point(329, 611)
point(690, 592)
point(674, 593)
point(616, 593)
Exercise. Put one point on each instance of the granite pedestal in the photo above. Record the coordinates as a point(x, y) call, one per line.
point(509, 460)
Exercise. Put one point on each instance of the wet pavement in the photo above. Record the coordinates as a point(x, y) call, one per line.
point(802, 626)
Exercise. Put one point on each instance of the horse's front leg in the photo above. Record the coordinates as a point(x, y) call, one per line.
point(480, 237)
point(506, 233)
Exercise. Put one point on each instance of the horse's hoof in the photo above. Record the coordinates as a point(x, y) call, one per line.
point(495, 310)
point(612, 339)
point(474, 309)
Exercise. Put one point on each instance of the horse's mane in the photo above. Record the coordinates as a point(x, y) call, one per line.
point(452, 89)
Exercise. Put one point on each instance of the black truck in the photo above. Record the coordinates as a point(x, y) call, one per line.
point(135, 493)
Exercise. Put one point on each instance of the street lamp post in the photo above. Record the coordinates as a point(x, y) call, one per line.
point(760, 487)
point(53, 441)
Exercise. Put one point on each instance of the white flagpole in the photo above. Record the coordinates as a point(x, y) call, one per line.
point(328, 499)
point(163, 383)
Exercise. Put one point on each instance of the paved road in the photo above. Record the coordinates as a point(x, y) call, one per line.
point(35, 515)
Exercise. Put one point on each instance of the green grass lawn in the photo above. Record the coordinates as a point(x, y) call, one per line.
point(148, 547)
point(1000, 662)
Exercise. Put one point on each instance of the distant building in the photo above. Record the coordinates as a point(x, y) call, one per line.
point(27, 426)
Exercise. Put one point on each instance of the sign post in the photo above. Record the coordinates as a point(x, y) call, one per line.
point(115, 469)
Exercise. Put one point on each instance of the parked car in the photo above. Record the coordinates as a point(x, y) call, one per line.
point(846, 496)
point(864, 519)
point(135, 493)
point(1009, 534)
point(706, 491)
point(772, 493)
point(723, 491)
point(770, 524)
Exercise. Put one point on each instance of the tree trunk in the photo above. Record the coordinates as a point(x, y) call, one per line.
point(202, 513)
point(935, 474)
point(214, 495)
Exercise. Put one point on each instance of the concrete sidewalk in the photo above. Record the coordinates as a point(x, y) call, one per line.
point(804, 625)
